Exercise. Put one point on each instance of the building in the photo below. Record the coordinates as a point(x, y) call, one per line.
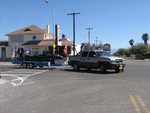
point(4, 50)
point(35, 40)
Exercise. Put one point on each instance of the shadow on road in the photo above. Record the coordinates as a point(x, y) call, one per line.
point(91, 71)
point(92, 74)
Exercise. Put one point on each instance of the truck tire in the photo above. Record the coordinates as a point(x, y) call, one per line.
point(102, 68)
point(122, 70)
point(76, 67)
point(117, 70)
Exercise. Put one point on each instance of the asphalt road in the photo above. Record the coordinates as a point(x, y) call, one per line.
point(65, 91)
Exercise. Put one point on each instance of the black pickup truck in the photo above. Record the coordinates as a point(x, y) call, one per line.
point(96, 59)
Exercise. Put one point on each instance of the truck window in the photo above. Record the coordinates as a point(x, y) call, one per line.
point(92, 54)
point(84, 54)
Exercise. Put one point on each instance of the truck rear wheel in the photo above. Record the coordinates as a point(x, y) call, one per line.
point(76, 67)
point(102, 68)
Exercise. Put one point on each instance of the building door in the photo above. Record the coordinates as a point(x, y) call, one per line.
point(3, 53)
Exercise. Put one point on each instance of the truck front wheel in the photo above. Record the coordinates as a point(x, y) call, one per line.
point(117, 70)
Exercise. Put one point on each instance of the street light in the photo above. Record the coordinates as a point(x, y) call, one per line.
point(74, 30)
point(53, 26)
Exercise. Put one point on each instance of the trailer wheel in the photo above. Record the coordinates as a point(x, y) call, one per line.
point(41, 66)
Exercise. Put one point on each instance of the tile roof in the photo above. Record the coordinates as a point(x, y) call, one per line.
point(33, 29)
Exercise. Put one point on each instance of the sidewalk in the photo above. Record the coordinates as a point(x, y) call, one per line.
point(6, 64)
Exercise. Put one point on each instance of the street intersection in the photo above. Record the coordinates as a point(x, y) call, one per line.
point(67, 91)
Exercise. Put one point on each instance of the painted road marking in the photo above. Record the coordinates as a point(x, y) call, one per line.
point(28, 83)
point(141, 102)
point(20, 75)
point(134, 103)
point(138, 104)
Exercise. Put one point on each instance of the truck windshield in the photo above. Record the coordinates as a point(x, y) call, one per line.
point(103, 54)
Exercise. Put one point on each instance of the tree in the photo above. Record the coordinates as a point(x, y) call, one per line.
point(98, 46)
point(145, 38)
point(107, 47)
point(122, 52)
point(87, 46)
point(131, 42)
point(140, 50)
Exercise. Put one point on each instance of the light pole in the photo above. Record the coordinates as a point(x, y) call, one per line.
point(89, 33)
point(74, 30)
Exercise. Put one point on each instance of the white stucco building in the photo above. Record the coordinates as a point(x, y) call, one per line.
point(31, 38)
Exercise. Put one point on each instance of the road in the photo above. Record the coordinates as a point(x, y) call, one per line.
point(66, 91)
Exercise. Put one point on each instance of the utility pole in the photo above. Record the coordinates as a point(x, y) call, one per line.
point(96, 40)
point(89, 33)
point(74, 29)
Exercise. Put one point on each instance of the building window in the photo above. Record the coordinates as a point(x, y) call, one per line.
point(34, 37)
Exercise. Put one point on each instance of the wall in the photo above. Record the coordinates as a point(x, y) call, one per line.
point(48, 36)
point(8, 52)
point(30, 37)
point(15, 41)
point(18, 40)
point(36, 49)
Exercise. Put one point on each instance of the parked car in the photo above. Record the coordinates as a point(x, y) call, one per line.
point(96, 59)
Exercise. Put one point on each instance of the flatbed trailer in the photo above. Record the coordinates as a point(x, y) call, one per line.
point(33, 63)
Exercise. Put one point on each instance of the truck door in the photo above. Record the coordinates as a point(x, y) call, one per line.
point(92, 60)
point(83, 59)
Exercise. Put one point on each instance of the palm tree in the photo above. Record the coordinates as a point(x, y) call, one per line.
point(131, 42)
point(145, 38)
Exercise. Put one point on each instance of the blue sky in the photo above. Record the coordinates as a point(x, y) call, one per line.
point(114, 21)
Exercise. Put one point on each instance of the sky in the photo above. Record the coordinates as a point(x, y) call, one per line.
point(113, 21)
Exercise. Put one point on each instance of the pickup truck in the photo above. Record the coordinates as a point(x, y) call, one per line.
point(96, 60)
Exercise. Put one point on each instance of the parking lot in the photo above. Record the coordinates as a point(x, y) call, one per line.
point(66, 91)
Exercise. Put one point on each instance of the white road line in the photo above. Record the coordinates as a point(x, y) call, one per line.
point(17, 82)
point(21, 75)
